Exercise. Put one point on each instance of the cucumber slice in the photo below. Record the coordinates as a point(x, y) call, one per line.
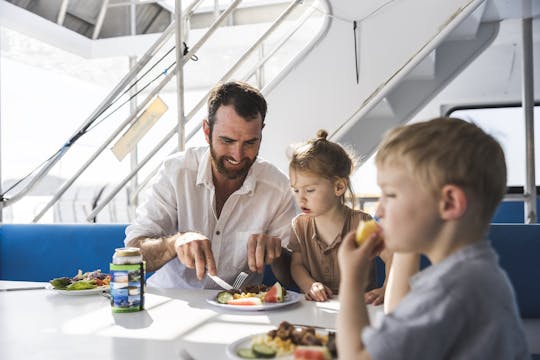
point(223, 297)
point(264, 351)
point(246, 354)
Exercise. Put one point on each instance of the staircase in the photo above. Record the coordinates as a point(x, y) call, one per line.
point(401, 67)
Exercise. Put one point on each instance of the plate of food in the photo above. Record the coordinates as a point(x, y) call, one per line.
point(255, 298)
point(286, 342)
point(88, 283)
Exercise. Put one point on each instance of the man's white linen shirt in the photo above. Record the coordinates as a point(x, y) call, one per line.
point(182, 199)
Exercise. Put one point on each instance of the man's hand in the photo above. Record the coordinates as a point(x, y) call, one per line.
point(262, 249)
point(195, 251)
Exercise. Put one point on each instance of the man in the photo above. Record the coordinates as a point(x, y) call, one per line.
point(219, 208)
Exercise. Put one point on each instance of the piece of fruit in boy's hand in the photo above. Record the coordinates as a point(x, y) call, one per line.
point(364, 230)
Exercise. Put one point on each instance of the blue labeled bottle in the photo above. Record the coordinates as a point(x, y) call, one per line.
point(127, 280)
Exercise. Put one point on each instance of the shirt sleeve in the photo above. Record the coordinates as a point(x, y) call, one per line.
point(158, 214)
point(280, 225)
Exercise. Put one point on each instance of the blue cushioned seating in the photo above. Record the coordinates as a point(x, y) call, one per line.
point(518, 246)
point(36, 252)
point(40, 252)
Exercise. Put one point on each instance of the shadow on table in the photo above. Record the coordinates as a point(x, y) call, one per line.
point(128, 321)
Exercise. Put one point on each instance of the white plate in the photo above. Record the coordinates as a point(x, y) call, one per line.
point(98, 290)
point(246, 342)
point(291, 298)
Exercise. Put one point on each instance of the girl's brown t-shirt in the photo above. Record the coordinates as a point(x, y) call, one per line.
point(320, 259)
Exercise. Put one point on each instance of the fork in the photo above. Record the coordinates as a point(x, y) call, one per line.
point(240, 278)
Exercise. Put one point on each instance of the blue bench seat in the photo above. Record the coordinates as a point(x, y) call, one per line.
point(36, 252)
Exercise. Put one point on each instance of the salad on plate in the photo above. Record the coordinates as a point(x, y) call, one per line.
point(82, 281)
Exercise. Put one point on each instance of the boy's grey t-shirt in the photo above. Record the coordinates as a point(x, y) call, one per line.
point(462, 308)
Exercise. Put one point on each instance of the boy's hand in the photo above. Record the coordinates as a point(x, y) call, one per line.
point(354, 261)
point(318, 292)
point(375, 296)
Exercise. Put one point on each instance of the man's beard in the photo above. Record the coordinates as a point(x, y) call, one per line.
point(231, 174)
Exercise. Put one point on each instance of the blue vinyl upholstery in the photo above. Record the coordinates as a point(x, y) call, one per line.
point(36, 252)
point(40, 252)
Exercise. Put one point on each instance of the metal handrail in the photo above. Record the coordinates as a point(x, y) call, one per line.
point(141, 106)
point(101, 108)
point(197, 107)
point(97, 112)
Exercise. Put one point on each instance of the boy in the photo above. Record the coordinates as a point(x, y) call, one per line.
point(441, 181)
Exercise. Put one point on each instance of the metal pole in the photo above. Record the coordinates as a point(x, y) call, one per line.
point(132, 205)
point(100, 19)
point(528, 112)
point(180, 75)
point(1, 200)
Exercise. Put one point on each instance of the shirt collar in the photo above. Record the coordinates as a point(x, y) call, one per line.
point(204, 172)
point(338, 239)
point(204, 175)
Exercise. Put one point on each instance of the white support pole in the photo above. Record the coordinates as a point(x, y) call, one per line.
point(528, 112)
point(180, 75)
point(134, 156)
point(1, 200)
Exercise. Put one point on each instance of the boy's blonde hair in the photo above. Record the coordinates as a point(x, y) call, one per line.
point(323, 158)
point(450, 151)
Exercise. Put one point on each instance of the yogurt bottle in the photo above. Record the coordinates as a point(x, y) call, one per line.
point(127, 280)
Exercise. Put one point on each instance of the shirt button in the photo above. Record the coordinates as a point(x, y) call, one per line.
point(217, 232)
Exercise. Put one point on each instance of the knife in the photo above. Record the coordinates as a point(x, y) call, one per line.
point(24, 288)
point(220, 282)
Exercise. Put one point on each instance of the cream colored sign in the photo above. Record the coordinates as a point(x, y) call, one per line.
point(139, 128)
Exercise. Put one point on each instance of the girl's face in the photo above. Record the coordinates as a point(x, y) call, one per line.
point(315, 195)
point(407, 211)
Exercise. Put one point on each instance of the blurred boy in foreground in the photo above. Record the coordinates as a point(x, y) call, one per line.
point(441, 181)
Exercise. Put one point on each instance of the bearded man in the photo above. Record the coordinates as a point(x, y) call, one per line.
point(218, 209)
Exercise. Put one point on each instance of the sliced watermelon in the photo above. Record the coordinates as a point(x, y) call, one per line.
point(274, 294)
point(245, 301)
point(312, 353)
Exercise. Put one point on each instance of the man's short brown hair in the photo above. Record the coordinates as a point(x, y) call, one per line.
point(248, 102)
point(450, 151)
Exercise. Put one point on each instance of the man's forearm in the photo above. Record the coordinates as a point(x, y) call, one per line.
point(155, 251)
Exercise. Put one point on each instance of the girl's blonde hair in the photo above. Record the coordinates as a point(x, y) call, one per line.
point(324, 158)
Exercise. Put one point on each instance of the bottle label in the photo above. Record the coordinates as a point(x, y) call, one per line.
point(127, 287)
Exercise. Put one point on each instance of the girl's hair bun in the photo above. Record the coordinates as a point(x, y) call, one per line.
point(322, 134)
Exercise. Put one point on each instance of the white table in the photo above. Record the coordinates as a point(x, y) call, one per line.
point(41, 324)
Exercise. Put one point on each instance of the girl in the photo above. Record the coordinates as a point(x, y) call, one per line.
point(319, 172)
